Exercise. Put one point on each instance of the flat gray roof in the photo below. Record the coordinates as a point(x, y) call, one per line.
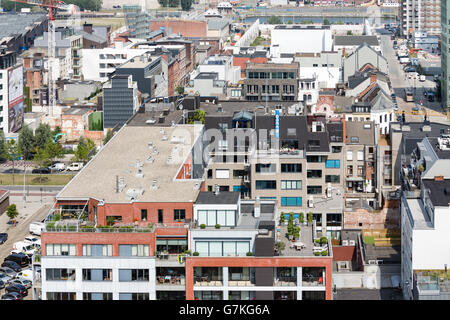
point(119, 157)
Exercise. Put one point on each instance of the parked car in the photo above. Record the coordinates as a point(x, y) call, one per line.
point(2, 284)
point(24, 247)
point(409, 69)
point(5, 278)
point(20, 258)
point(12, 296)
point(59, 166)
point(75, 166)
point(25, 282)
point(25, 274)
point(33, 241)
point(20, 289)
point(8, 271)
point(41, 170)
point(3, 238)
point(36, 228)
point(12, 265)
point(422, 78)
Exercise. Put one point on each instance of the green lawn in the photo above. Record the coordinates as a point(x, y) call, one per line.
point(33, 179)
point(369, 240)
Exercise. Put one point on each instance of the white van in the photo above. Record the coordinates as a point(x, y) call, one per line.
point(75, 166)
point(36, 242)
point(24, 247)
point(36, 228)
point(59, 166)
point(422, 78)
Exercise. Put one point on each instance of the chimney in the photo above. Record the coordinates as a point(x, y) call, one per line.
point(257, 208)
point(373, 78)
point(87, 27)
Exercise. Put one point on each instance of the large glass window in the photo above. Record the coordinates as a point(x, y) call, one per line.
point(314, 189)
point(134, 275)
point(332, 178)
point(61, 296)
point(97, 296)
point(265, 167)
point(136, 250)
point(134, 296)
point(172, 246)
point(291, 201)
point(97, 250)
point(97, 274)
point(266, 184)
point(333, 164)
point(291, 167)
point(179, 214)
point(291, 184)
point(212, 217)
point(60, 249)
point(60, 274)
point(222, 248)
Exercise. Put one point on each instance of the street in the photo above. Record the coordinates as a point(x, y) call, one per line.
point(400, 81)
point(32, 210)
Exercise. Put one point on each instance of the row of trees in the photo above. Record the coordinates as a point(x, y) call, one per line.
point(277, 20)
point(185, 4)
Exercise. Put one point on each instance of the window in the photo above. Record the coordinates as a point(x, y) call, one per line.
point(333, 164)
point(222, 248)
point(332, 178)
point(334, 219)
point(266, 184)
point(144, 214)
point(222, 174)
point(314, 159)
point(223, 145)
point(314, 174)
point(134, 296)
point(291, 184)
point(349, 155)
point(134, 275)
point(314, 189)
point(97, 274)
point(349, 170)
point(360, 171)
point(60, 250)
point(97, 296)
point(336, 149)
point(61, 296)
point(60, 274)
point(171, 246)
point(265, 167)
point(97, 250)
point(360, 155)
point(213, 217)
point(134, 250)
point(291, 167)
point(179, 214)
point(291, 201)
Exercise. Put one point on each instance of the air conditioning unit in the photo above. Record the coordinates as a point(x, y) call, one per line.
point(351, 242)
point(310, 203)
point(345, 242)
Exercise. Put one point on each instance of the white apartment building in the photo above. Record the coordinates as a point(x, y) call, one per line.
point(223, 66)
point(325, 66)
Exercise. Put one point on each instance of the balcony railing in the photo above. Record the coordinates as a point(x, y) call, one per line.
point(313, 281)
point(208, 281)
point(170, 280)
point(77, 227)
point(285, 281)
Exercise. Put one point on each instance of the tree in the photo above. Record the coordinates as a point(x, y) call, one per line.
point(12, 212)
point(199, 115)
point(42, 134)
point(349, 32)
point(274, 20)
point(26, 142)
point(108, 137)
point(12, 153)
point(53, 150)
point(290, 22)
point(83, 149)
point(180, 90)
point(41, 159)
point(326, 22)
point(2, 145)
point(186, 5)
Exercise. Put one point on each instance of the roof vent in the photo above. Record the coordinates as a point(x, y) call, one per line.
point(169, 160)
point(154, 185)
point(120, 184)
point(197, 186)
point(150, 159)
point(155, 151)
point(164, 137)
point(150, 145)
point(133, 193)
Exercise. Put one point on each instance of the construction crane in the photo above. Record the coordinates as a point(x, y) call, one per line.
point(52, 6)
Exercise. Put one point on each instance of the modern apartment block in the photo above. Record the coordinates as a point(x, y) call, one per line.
point(421, 15)
point(137, 21)
point(120, 100)
point(425, 220)
point(271, 82)
point(124, 235)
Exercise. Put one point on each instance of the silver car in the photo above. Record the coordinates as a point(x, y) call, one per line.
point(25, 282)
point(6, 279)
point(8, 271)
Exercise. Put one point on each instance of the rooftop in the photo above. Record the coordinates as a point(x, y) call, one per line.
point(275, 66)
point(439, 191)
point(207, 75)
point(355, 40)
point(362, 130)
point(153, 182)
point(12, 24)
point(389, 255)
point(221, 198)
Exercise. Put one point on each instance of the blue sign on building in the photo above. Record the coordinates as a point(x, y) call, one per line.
point(277, 124)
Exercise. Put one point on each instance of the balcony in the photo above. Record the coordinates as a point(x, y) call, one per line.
point(387, 159)
point(71, 225)
point(208, 276)
point(170, 276)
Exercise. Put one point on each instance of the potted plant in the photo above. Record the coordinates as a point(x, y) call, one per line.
point(196, 254)
point(297, 232)
point(202, 226)
point(310, 218)
point(249, 254)
point(302, 218)
point(324, 253)
point(282, 218)
point(317, 253)
point(217, 226)
point(323, 240)
point(317, 241)
point(279, 246)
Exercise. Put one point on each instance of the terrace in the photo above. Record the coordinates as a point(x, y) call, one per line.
point(432, 282)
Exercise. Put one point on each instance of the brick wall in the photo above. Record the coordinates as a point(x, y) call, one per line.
point(187, 28)
point(387, 218)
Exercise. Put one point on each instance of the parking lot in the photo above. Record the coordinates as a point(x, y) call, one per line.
point(29, 211)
